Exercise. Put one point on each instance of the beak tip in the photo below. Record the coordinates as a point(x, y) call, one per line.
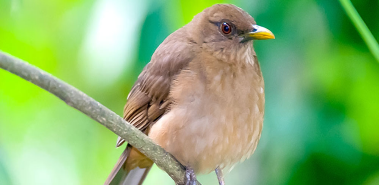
point(261, 33)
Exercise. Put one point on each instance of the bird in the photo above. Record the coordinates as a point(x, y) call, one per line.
point(201, 97)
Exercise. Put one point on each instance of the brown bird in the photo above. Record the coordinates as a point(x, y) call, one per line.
point(201, 97)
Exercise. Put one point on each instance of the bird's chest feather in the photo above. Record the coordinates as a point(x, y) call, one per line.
point(216, 117)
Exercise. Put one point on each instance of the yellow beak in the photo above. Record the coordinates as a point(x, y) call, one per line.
point(260, 33)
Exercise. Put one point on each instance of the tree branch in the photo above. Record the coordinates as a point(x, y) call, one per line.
point(80, 101)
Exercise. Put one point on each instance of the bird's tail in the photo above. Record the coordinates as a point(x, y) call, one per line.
point(131, 168)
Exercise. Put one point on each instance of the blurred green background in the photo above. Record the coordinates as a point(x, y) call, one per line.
point(322, 88)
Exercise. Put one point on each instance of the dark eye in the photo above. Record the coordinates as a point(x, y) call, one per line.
point(226, 28)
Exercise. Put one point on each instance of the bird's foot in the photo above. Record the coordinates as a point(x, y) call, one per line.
point(190, 177)
point(220, 176)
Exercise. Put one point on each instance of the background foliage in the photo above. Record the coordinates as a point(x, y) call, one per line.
point(322, 92)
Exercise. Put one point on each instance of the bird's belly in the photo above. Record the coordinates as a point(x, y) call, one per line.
point(205, 129)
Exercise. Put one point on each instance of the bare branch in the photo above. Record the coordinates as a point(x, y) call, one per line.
point(80, 101)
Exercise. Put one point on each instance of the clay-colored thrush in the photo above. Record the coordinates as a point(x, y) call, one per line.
point(201, 97)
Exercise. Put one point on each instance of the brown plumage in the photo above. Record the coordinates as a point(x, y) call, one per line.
point(201, 97)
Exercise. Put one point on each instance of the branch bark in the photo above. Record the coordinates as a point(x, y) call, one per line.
point(85, 104)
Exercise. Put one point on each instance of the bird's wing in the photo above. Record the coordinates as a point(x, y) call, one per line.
point(148, 98)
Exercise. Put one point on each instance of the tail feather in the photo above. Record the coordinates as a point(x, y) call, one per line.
point(135, 176)
point(118, 169)
point(131, 168)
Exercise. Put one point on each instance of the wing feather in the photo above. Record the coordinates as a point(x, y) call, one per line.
point(148, 99)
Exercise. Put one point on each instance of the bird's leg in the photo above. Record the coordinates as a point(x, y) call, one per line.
point(220, 176)
point(190, 177)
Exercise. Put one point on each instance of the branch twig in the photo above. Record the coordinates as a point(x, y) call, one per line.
point(80, 101)
point(361, 27)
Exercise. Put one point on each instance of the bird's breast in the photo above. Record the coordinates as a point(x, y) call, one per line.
point(216, 116)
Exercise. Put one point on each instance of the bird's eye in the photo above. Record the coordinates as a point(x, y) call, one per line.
point(226, 28)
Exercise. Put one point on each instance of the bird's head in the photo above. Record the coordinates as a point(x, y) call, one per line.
point(227, 27)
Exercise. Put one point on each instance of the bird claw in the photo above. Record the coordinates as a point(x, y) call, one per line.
point(220, 176)
point(190, 177)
